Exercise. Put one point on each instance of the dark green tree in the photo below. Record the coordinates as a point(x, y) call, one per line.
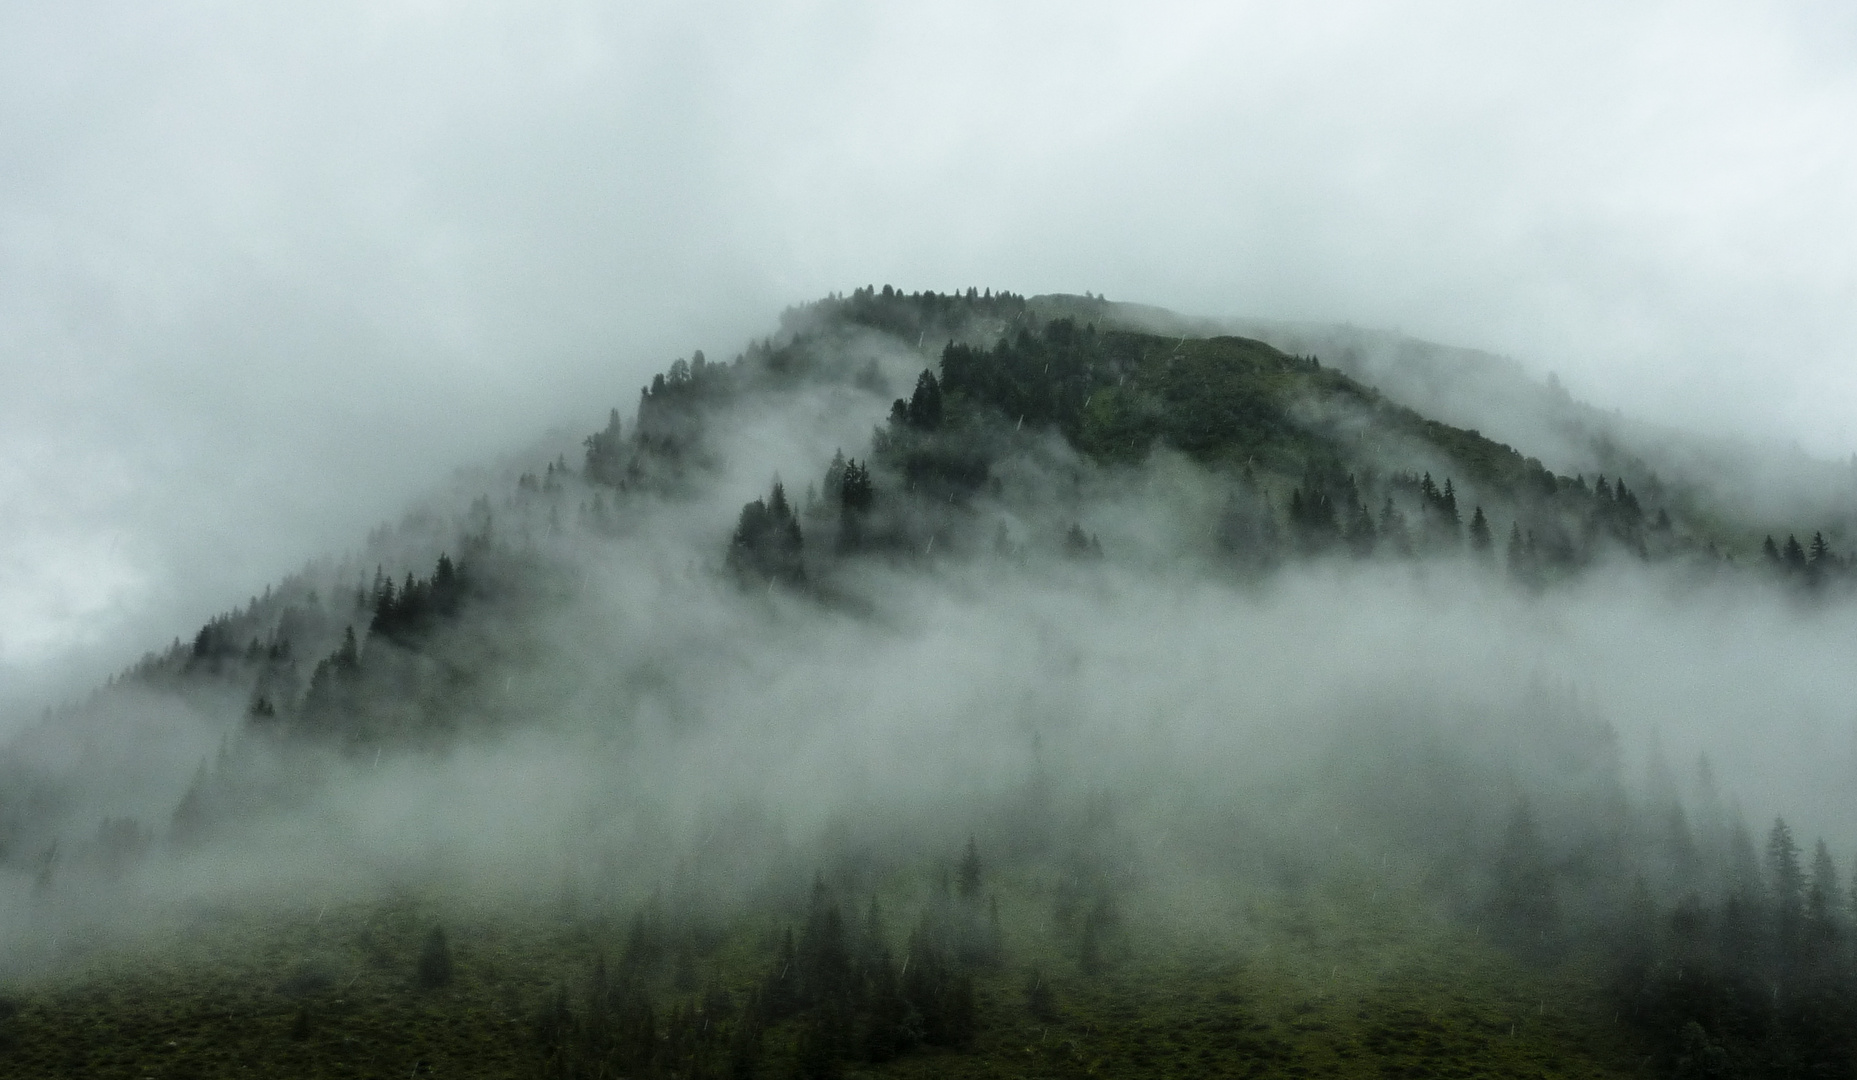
point(833, 489)
point(1822, 898)
point(1786, 892)
point(1516, 557)
point(923, 410)
point(1793, 555)
point(1393, 532)
point(856, 497)
point(767, 541)
point(1480, 540)
point(1358, 532)
point(606, 459)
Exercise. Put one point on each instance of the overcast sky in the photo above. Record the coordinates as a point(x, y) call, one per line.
point(265, 275)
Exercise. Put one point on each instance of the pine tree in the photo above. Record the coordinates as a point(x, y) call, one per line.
point(1821, 903)
point(1359, 532)
point(1786, 891)
point(605, 462)
point(924, 410)
point(1793, 554)
point(834, 487)
point(855, 492)
point(1517, 554)
point(1393, 528)
point(1480, 540)
point(767, 543)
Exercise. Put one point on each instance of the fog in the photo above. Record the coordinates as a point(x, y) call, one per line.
point(638, 722)
point(268, 277)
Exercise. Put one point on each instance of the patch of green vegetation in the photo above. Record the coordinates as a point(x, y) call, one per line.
point(1339, 981)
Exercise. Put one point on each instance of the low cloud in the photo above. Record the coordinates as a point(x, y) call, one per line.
point(268, 277)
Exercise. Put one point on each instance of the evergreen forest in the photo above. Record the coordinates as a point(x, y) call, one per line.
point(974, 684)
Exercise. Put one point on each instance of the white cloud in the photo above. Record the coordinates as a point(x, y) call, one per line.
point(264, 273)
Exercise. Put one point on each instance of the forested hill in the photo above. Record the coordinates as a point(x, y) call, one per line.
point(1300, 462)
point(723, 685)
point(1315, 459)
point(991, 392)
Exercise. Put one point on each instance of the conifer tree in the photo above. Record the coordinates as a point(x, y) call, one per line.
point(1480, 540)
point(856, 496)
point(832, 490)
point(1786, 891)
point(1359, 532)
point(1793, 554)
point(924, 412)
point(605, 461)
point(1821, 903)
point(767, 541)
point(1516, 557)
point(1393, 531)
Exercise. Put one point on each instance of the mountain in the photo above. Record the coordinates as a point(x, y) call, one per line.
point(965, 683)
point(1746, 488)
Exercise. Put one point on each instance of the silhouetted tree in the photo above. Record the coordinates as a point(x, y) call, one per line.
point(1786, 884)
point(1480, 540)
point(606, 459)
point(767, 541)
point(923, 410)
point(1793, 555)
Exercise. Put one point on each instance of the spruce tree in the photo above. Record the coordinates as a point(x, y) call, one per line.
point(1393, 528)
point(1359, 532)
point(834, 487)
point(1786, 891)
point(1793, 554)
point(924, 410)
point(1480, 540)
point(1821, 902)
point(1517, 554)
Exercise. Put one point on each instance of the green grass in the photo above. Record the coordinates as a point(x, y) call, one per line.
point(1339, 981)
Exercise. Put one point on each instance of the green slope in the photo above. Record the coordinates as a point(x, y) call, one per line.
point(1340, 981)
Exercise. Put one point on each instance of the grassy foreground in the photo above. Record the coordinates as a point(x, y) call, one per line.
point(1338, 982)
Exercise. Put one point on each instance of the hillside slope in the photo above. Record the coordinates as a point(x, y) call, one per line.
point(1186, 705)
